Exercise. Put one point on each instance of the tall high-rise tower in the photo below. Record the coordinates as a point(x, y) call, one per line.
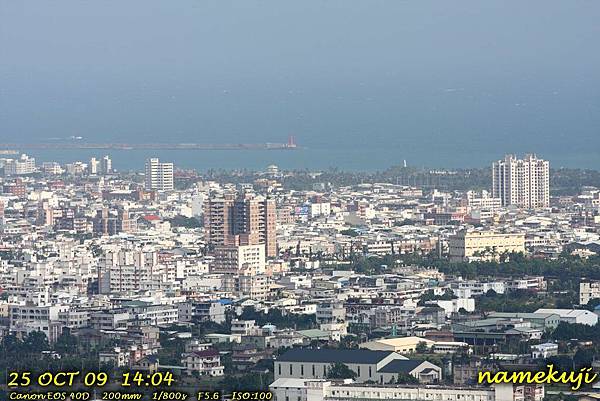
point(522, 182)
point(93, 166)
point(106, 165)
point(243, 220)
point(158, 176)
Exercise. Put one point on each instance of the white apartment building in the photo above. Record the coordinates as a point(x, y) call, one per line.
point(244, 327)
point(379, 248)
point(471, 288)
point(588, 290)
point(483, 200)
point(154, 315)
point(109, 319)
point(45, 318)
point(74, 319)
point(159, 176)
point(288, 389)
point(455, 305)
point(126, 270)
point(256, 287)
point(106, 165)
point(522, 182)
point(93, 166)
point(204, 311)
point(243, 259)
point(320, 209)
point(331, 311)
point(21, 166)
point(204, 363)
point(477, 245)
point(52, 168)
point(537, 283)
point(543, 351)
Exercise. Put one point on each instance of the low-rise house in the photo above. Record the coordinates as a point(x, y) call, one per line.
point(147, 364)
point(246, 356)
point(543, 351)
point(117, 357)
point(202, 359)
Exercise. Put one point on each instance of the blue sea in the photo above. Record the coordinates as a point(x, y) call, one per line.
point(361, 84)
point(362, 159)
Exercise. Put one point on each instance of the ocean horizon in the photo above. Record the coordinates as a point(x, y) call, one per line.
point(363, 159)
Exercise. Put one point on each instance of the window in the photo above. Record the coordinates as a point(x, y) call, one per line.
point(279, 368)
point(370, 373)
point(301, 370)
point(290, 368)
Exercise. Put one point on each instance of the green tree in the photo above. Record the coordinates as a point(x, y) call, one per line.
point(187, 222)
point(421, 347)
point(66, 344)
point(592, 303)
point(36, 342)
point(339, 370)
point(405, 378)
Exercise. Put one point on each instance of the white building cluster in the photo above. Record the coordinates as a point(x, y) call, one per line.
point(102, 255)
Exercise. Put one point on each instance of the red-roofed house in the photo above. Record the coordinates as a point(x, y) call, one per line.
point(205, 363)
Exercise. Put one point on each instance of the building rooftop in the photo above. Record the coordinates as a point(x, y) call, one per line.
point(358, 356)
point(399, 341)
point(400, 366)
point(565, 312)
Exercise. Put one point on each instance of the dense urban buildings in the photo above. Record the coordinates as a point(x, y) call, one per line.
point(22, 166)
point(164, 236)
point(408, 289)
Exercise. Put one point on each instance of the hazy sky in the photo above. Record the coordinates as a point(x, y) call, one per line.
point(438, 75)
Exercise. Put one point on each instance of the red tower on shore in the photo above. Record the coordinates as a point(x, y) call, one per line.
point(291, 142)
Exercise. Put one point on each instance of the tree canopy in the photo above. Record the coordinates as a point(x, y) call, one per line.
point(339, 370)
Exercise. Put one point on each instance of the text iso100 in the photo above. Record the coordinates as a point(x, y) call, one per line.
point(251, 395)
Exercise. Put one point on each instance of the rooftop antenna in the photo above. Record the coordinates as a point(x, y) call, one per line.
point(404, 163)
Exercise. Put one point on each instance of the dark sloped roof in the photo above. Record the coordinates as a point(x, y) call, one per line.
point(400, 366)
point(360, 356)
point(206, 353)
